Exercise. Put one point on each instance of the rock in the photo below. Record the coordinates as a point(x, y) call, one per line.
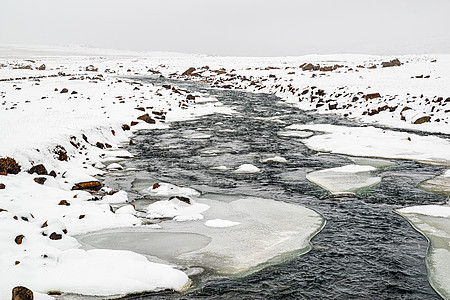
point(146, 118)
point(22, 293)
point(2, 186)
point(55, 236)
point(64, 90)
point(372, 96)
point(423, 119)
point(392, 63)
point(156, 185)
point(100, 145)
point(91, 68)
point(74, 93)
point(9, 166)
point(61, 152)
point(108, 146)
point(134, 123)
point(19, 239)
point(41, 68)
point(166, 86)
point(190, 97)
point(40, 180)
point(38, 169)
point(188, 72)
point(140, 108)
point(181, 198)
point(64, 202)
point(125, 127)
point(52, 173)
point(81, 217)
point(87, 185)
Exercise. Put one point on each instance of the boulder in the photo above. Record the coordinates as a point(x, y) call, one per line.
point(40, 180)
point(22, 293)
point(38, 169)
point(188, 72)
point(125, 127)
point(91, 68)
point(19, 239)
point(64, 202)
point(9, 165)
point(423, 119)
point(392, 63)
point(64, 90)
point(95, 185)
point(372, 96)
point(55, 236)
point(41, 68)
point(2, 186)
point(146, 118)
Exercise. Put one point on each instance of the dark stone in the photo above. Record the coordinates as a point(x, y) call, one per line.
point(91, 68)
point(423, 119)
point(181, 198)
point(64, 90)
point(188, 72)
point(64, 202)
point(81, 217)
point(55, 236)
point(2, 186)
point(125, 127)
point(42, 67)
point(9, 166)
point(190, 97)
point(38, 169)
point(156, 185)
point(74, 93)
point(100, 145)
point(140, 108)
point(19, 239)
point(372, 96)
point(61, 152)
point(95, 185)
point(22, 293)
point(392, 63)
point(40, 180)
point(52, 173)
point(166, 86)
point(134, 123)
point(146, 118)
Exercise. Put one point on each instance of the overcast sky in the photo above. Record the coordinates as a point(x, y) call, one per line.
point(233, 27)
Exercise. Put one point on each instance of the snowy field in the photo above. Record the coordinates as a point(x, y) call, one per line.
point(74, 110)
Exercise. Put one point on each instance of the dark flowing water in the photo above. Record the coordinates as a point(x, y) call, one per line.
point(365, 251)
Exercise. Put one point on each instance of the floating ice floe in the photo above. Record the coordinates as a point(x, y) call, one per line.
point(176, 209)
point(162, 189)
point(346, 179)
point(278, 159)
point(296, 133)
point(268, 232)
point(377, 163)
point(375, 142)
point(438, 185)
point(433, 221)
point(221, 223)
point(247, 169)
point(220, 168)
point(199, 136)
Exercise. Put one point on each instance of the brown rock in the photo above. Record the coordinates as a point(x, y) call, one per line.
point(423, 119)
point(81, 217)
point(113, 132)
point(146, 118)
point(100, 145)
point(91, 68)
point(392, 63)
point(64, 90)
point(38, 169)
point(45, 224)
point(61, 152)
point(188, 72)
point(42, 67)
point(156, 185)
point(64, 202)
point(181, 198)
point(55, 236)
point(372, 96)
point(140, 108)
point(40, 180)
point(125, 127)
point(87, 185)
point(2, 186)
point(133, 123)
point(22, 293)
point(52, 173)
point(108, 146)
point(19, 239)
point(9, 166)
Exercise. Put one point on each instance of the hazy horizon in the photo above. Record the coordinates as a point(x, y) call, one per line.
point(233, 28)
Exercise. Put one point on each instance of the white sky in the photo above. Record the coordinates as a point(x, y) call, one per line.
point(233, 27)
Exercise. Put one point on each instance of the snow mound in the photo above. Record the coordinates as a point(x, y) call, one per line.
point(176, 209)
point(162, 189)
point(277, 159)
point(221, 223)
point(119, 197)
point(428, 210)
point(247, 169)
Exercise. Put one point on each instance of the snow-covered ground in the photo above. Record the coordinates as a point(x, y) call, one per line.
point(72, 110)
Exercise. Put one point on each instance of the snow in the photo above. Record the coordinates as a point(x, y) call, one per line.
point(114, 166)
point(296, 133)
point(119, 197)
point(375, 142)
point(165, 190)
point(221, 223)
point(247, 169)
point(346, 179)
point(176, 209)
point(277, 159)
point(429, 210)
point(268, 232)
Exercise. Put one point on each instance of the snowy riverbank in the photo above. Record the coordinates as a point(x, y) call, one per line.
point(72, 111)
